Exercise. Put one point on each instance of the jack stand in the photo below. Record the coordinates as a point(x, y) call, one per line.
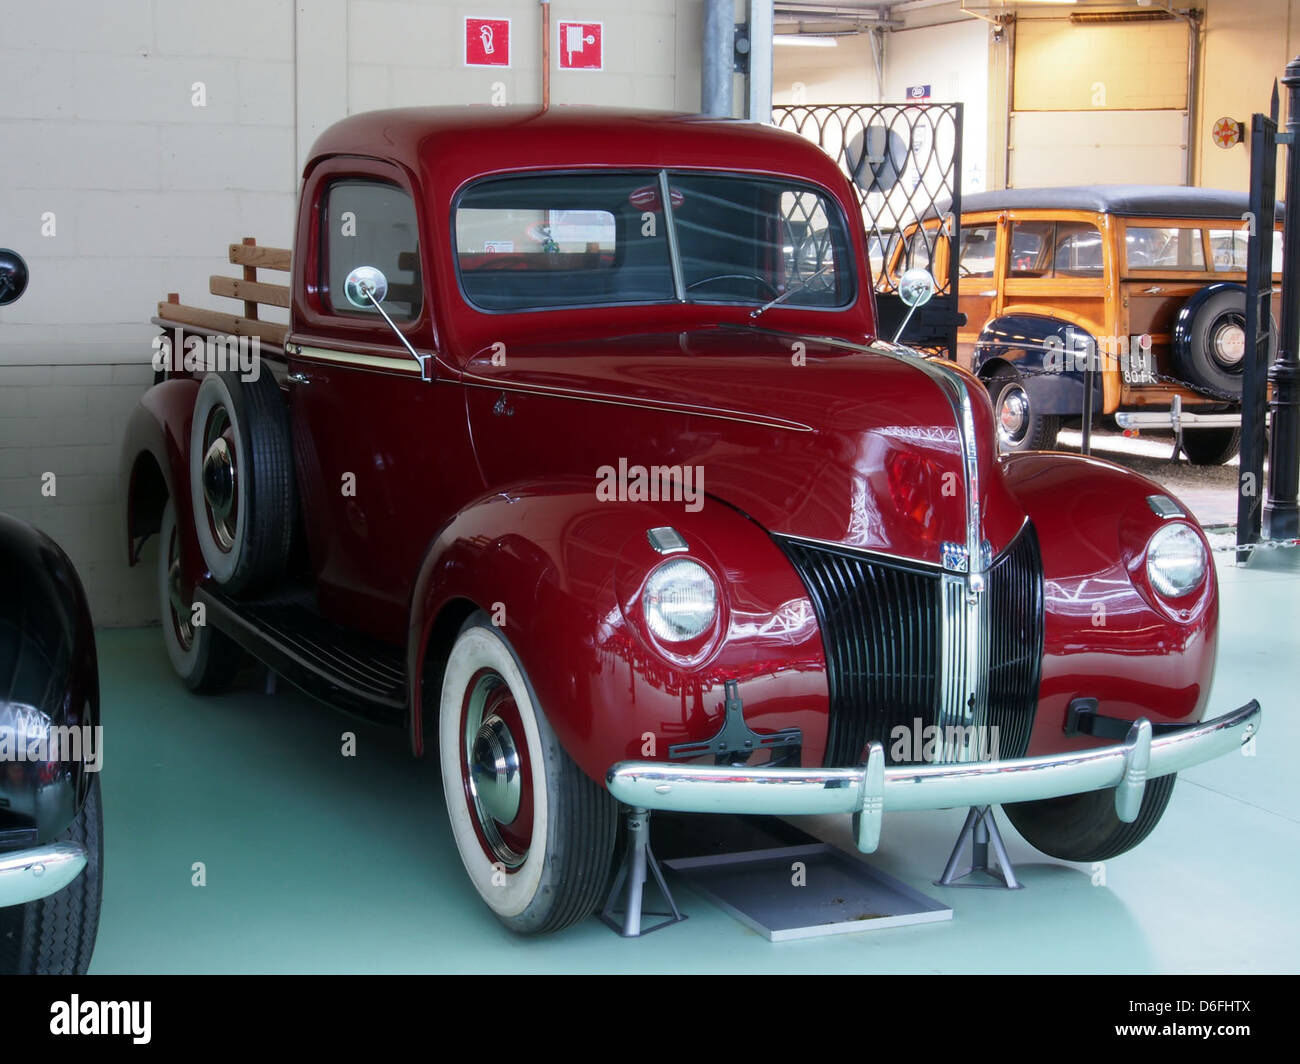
point(982, 829)
point(1176, 416)
point(632, 872)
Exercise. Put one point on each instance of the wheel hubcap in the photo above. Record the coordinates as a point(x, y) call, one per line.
point(221, 480)
point(495, 769)
point(1013, 414)
point(1229, 344)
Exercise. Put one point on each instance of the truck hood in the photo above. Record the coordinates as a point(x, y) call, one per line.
point(810, 437)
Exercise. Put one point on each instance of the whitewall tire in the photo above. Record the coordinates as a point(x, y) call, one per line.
point(535, 834)
point(202, 656)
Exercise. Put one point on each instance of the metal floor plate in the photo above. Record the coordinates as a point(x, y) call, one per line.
point(806, 891)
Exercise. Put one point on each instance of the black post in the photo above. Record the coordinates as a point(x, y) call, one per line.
point(1089, 379)
point(1281, 512)
point(1259, 330)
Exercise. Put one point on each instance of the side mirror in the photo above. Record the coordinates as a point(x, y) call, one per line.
point(362, 283)
point(367, 285)
point(915, 288)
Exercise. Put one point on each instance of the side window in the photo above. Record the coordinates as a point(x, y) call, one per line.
point(1078, 250)
point(1031, 249)
point(1055, 249)
point(978, 247)
point(369, 223)
point(919, 252)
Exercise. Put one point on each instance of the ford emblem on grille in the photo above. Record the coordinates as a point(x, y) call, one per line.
point(956, 556)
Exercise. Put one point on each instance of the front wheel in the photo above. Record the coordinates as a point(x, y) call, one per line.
point(1084, 827)
point(1019, 426)
point(535, 834)
point(56, 935)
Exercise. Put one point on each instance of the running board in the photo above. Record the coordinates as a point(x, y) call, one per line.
point(344, 669)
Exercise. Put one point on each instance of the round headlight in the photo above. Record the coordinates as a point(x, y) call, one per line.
point(680, 600)
point(1176, 560)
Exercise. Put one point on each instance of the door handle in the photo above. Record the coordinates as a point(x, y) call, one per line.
point(989, 294)
point(299, 377)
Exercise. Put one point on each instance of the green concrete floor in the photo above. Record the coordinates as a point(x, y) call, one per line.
point(319, 863)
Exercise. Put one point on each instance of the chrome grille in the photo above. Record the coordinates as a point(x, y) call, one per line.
point(905, 647)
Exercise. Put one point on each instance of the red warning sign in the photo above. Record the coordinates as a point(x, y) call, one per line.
point(487, 42)
point(581, 46)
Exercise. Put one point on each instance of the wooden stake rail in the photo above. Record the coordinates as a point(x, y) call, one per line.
point(252, 292)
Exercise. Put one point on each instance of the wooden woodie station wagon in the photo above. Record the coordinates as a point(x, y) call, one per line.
point(1148, 282)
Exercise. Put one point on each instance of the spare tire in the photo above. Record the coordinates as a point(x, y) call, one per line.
point(241, 480)
point(1210, 339)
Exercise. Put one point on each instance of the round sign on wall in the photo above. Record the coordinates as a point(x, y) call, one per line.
point(877, 157)
point(1227, 132)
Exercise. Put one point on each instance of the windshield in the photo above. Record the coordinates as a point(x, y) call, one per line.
point(546, 241)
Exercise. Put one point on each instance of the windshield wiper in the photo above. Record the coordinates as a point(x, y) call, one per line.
point(798, 286)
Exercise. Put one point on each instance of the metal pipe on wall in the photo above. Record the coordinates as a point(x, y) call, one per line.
point(759, 82)
point(718, 66)
point(546, 55)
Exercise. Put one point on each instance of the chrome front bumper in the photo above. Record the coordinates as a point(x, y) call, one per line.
point(29, 875)
point(868, 791)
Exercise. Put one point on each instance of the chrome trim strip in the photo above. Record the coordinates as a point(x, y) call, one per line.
point(357, 361)
point(30, 875)
point(805, 792)
point(472, 380)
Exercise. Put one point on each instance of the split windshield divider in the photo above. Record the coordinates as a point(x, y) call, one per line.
point(674, 255)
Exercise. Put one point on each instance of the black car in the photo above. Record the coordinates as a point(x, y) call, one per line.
point(51, 830)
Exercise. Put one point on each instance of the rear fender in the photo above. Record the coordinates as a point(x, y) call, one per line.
point(155, 466)
point(562, 573)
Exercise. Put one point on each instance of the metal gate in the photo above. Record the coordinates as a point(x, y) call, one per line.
point(904, 161)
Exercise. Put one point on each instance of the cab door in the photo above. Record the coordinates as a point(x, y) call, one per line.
point(380, 446)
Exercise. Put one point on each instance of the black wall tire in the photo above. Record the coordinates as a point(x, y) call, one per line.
point(203, 657)
point(1210, 447)
point(1084, 827)
point(1019, 427)
point(241, 481)
point(1210, 352)
point(56, 935)
point(535, 834)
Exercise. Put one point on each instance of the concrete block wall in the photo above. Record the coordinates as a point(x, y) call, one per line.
point(118, 188)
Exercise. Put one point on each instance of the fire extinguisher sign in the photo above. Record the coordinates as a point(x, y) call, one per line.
point(487, 42)
point(582, 46)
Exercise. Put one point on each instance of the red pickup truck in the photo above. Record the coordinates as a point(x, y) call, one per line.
point(580, 460)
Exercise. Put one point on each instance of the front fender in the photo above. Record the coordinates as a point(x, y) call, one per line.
point(563, 572)
point(1029, 342)
point(49, 688)
point(154, 466)
point(1108, 635)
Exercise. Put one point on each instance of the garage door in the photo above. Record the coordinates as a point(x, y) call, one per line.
point(1099, 104)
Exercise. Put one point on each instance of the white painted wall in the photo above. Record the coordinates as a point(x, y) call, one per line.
point(98, 128)
point(953, 60)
